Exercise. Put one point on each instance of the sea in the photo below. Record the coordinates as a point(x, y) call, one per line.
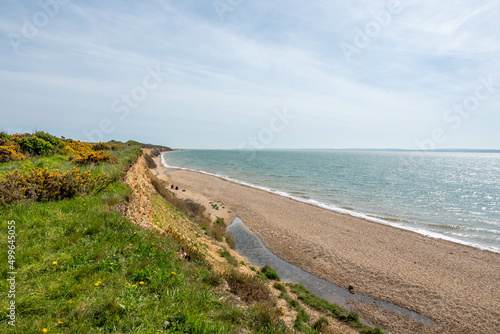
point(447, 195)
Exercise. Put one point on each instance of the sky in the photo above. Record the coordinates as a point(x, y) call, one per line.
point(228, 74)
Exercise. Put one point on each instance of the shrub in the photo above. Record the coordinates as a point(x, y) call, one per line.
point(162, 190)
point(155, 152)
point(9, 149)
point(320, 324)
point(270, 273)
point(93, 158)
point(76, 146)
point(34, 145)
point(42, 185)
point(219, 221)
point(264, 315)
point(100, 146)
point(54, 141)
point(151, 163)
point(248, 288)
point(193, 209)
point(116, 147)
point(9, 153)
point(3, 135)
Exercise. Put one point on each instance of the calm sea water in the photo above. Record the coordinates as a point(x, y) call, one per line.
point(453, 196)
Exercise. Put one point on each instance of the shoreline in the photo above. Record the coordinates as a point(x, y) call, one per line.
point(451, 283)
point(339, 210)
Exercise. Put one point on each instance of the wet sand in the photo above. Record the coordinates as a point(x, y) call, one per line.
point(455, 285)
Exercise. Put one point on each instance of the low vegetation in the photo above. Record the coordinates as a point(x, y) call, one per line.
point(331, 310)
point(149, 160)
point(44, 185)
point(270, 273)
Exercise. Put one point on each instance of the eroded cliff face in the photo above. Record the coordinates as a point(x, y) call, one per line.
point(140, 210)
point(149, 210)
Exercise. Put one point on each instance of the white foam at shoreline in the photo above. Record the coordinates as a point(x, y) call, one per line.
point(330, 207)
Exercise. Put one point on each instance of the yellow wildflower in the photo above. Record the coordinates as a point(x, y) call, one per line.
point(141, 282)
point(173, 273)
point(55, 262)
point(44, 330)
point(60, 322)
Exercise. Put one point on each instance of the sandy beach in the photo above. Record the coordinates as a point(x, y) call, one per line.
point(455, 285)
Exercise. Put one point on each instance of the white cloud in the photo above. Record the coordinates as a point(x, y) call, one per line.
point(229, 75)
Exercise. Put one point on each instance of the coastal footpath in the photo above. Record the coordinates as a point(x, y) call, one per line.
point(456, 286)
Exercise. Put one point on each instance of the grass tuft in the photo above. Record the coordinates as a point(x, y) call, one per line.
point(270, 273)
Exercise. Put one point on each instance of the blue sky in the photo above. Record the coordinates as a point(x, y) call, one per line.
point(254, 74)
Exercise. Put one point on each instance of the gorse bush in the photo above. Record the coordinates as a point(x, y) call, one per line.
point(54, 141)
point(34, 145)
point(9, 153)
point(9, 149)
point(76, 146)
point(93, 158)
point(101, 146)
point(44, 185)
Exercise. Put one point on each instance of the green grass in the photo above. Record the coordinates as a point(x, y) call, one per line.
point(332, 310)
point(83, 268)
point(270, 273)
point(229, 258)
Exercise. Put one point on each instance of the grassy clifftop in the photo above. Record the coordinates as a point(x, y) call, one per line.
point(80, 266)
point(93, 242)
